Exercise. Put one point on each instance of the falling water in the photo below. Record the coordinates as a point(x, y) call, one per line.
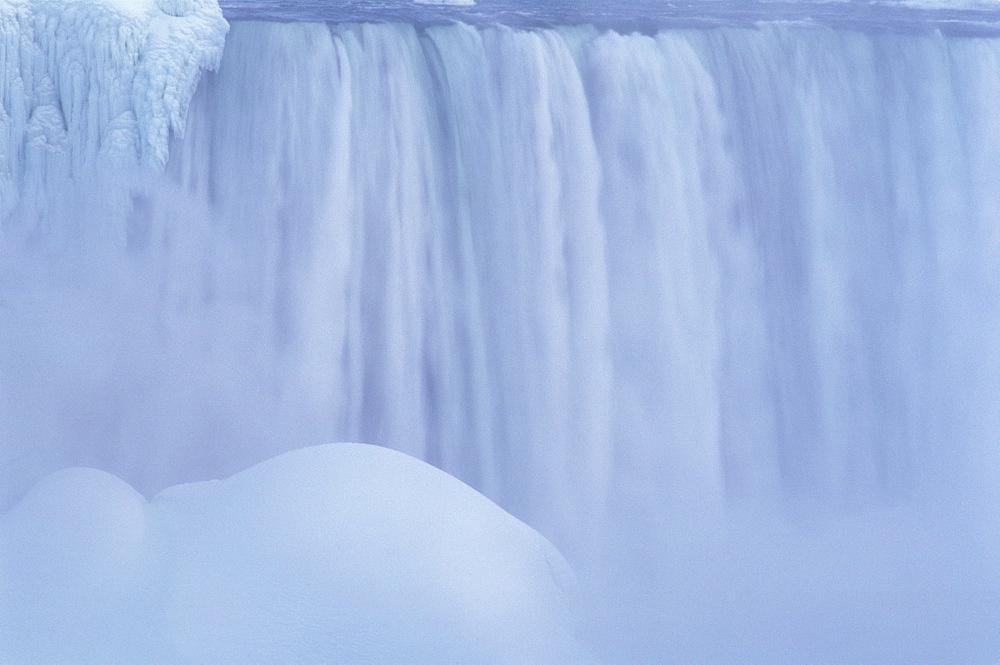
point(620, 283)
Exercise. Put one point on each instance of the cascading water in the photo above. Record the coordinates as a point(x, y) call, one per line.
point(653, 293)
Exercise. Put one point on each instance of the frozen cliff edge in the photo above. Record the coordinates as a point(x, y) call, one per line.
point(335, 553)
point(87, 79)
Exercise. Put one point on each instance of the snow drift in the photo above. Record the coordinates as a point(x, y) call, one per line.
point(338, 553)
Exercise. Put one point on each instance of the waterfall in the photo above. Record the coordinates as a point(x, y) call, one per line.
point(604, 278)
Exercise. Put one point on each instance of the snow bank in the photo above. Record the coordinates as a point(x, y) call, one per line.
point(82, 79)
point(337, 553)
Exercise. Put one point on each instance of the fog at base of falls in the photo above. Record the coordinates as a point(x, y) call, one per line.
point(713, 310)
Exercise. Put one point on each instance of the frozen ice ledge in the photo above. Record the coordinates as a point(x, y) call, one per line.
point(85, 80)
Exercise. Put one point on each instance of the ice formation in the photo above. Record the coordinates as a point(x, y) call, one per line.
point(343, 553)
point(85, 79)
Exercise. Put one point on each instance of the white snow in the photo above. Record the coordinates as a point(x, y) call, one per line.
point(336, 553)
point(86, 78)
point(453, 3)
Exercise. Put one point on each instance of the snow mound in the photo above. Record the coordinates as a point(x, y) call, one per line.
point(97, 78)
point(338, 553)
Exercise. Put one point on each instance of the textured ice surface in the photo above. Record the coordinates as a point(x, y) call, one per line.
point(88, 79)
point(337, 553)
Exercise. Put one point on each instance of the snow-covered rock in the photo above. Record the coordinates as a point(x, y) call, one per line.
point(332, 554)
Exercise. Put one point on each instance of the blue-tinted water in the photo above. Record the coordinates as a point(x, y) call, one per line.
point(633, 16)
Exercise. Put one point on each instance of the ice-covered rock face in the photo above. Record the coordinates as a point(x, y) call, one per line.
point(96, 79)
point(337, 553)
